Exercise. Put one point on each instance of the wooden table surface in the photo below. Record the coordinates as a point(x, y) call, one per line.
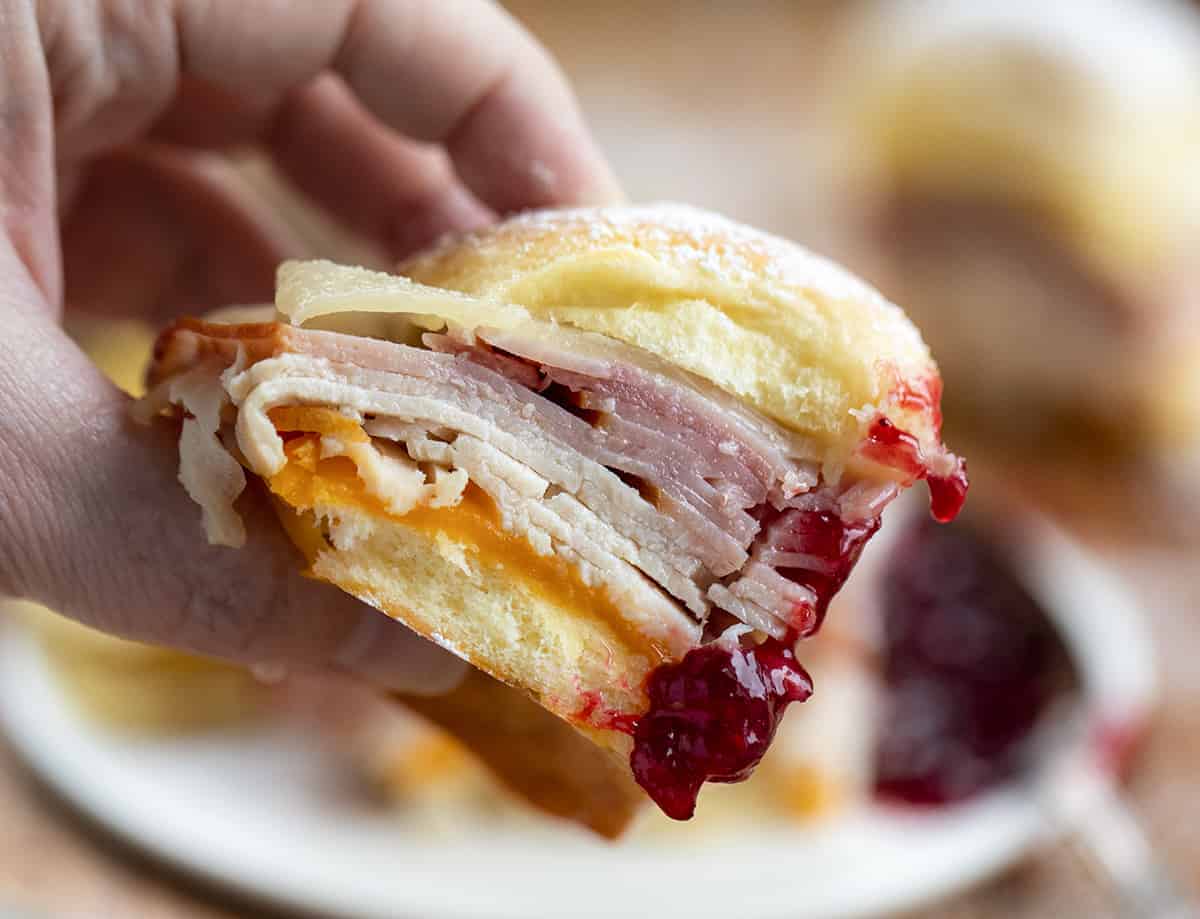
point(714, 104)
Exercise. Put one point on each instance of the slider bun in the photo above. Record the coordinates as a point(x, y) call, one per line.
point(471, 603)
point(505, 614)
point(788, 332)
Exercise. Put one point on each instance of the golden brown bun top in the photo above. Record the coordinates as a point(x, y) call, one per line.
point(788, 332)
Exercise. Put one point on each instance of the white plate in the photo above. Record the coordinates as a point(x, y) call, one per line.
point(267, 812)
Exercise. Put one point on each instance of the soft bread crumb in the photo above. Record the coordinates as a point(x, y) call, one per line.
point(428, 579)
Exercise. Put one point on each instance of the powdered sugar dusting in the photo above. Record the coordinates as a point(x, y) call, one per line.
point(728, 252)
point(725, 249)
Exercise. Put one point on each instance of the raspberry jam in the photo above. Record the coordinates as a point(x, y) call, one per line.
point(948, 493)
point(890, 446)
point(922, 396)
point(833, 543)
point(593, 713)
point(712, 716)
point(970, 662)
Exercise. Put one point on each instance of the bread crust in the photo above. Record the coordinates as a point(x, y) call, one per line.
point(788, 332)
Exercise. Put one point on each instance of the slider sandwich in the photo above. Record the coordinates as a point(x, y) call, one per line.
point(617, 459)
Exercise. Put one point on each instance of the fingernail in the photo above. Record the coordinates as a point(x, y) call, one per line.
point(390, 655)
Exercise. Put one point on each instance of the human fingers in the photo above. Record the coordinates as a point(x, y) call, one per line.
point(96, 525)
point(459, 74)
point(152, 232)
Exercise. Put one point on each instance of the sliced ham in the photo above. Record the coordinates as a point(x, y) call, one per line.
point(652, 483)
point(462, 406)
point(739, 445)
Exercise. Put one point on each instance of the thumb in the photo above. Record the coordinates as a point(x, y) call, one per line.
point(95, 525)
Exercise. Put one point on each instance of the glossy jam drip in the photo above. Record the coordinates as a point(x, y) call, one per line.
point(970, 662)
point(890, 446)
point(948, 493)
point(834, 546)
point(712, 716)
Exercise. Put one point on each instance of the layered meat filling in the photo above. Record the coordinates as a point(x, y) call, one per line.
point(707, 527)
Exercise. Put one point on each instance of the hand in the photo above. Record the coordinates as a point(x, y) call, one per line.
point(403, 118)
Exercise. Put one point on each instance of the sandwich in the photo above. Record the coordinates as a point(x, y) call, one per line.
point(619, 460)
point(1024, 179)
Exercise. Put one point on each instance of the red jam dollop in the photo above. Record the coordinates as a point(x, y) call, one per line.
point(712, 716)
point(888, 445)
point(970, 662)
